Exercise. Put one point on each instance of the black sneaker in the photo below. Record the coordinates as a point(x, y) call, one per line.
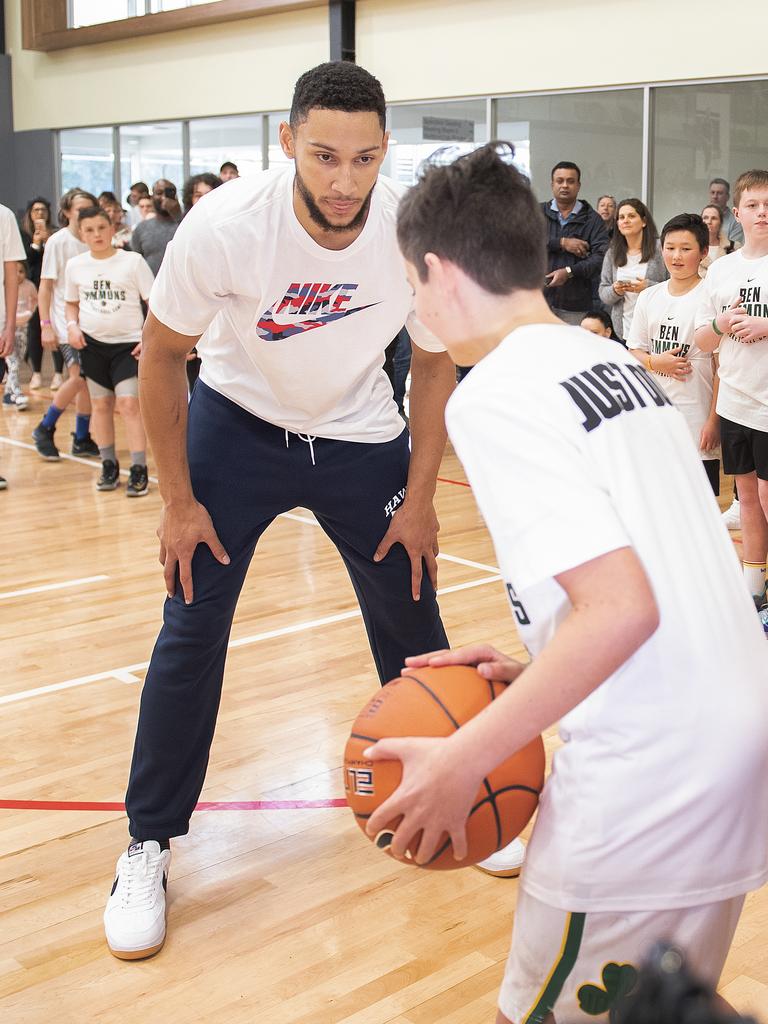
point(138, 482)
point(87, 447)
point(110, 476)
point(43, 438)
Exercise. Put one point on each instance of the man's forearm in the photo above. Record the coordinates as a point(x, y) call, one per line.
point(433, 378)
point(163, 397)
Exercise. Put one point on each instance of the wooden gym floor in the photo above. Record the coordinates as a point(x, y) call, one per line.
point(281, 915)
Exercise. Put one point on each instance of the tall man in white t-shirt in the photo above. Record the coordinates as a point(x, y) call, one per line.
point(733, 318)
point(293, 285)
point(11, 251)
point(627, 593)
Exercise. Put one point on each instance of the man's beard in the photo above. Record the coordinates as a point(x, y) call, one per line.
point(319, 217)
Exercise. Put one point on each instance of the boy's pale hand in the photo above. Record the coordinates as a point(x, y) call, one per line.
point(136, 352)
point(434, 797)
point(48, 337)
point(672, 365)
point(710, 435)
point(748, 329)
point(75, 337)
point(490, 663)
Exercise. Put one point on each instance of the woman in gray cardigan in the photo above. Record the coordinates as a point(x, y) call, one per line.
point(632, 263)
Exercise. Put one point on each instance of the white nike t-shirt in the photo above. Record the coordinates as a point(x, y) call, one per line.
point(657, 798)
point(59, 250)
point(663, 322)
point(110, 292)
point(292, 332)
point(743, 394)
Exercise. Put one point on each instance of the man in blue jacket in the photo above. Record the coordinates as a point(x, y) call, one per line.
point(576, 243)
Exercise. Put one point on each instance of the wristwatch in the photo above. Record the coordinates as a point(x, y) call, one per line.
point(569, 271)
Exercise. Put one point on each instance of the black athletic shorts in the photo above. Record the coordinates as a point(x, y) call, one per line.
point(712, 469)
point(107, 364)
point(744, 450)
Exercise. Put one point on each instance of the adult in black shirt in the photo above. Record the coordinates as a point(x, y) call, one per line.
point(576, 243)
point(36, 228)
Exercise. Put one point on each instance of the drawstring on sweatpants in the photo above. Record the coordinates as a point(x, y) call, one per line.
point(308, 438)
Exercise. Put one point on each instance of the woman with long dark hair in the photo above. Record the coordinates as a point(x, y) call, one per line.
point(632, 263)
point(36, 228)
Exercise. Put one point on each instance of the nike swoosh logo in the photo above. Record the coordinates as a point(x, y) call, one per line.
point(671, 317)
point(750, 280)
point(269, 330)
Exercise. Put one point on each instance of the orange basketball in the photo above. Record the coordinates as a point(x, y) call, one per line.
point(435, 702)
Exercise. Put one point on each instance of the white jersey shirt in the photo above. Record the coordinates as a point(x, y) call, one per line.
point(657, 798)
point(59, 250)
point(743, 372)
point(11, 248)
point(663, 322)
point(292, 332)
point(109, 292)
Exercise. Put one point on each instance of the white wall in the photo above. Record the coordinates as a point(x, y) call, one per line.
point(422, 49)
point(237, 67)
point(419, 48)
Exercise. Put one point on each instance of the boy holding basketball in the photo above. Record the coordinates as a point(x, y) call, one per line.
point(628, 596)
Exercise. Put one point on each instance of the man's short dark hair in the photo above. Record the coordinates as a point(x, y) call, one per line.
point(566, 165)
point(337, 85)
point(227, 165)
point(721, 181)
point(479, 213)
point(691, 222)
point(140, 186)
point(89, 212)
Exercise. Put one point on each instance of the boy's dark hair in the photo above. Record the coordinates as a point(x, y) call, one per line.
point(66, 201)
point(89, 212)
point(691, 222)
point(478, 212)
point(566, 165)
point(140, 186)
point(226, 164)
point(749, 180)
point(337, 85)
point(189, 187)
point(650, 234)
point(107, 197)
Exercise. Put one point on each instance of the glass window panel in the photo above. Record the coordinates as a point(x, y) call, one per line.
point(213, 140)
point(419, 129)
point(602, 132)
point(702, 132)
point(149, 152)
point(87, 159)
point(97, 12)
point(277, 157)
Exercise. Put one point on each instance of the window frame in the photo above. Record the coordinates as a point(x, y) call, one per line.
point(44, 22)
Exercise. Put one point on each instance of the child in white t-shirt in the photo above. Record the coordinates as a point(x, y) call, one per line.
point(103, 292)
point(661, 337)
point(733, 318)
point(628, 596)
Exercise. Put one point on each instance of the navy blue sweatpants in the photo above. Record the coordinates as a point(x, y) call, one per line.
point(245, 476)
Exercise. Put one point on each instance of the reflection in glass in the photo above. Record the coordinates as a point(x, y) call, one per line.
point(149, 152)
point(213, 140)
point(420, 129)
point(602, 132)
point(87, 160)
point(702, 132)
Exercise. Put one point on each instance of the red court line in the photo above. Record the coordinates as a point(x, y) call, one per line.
point(458, 483)
point(218, 805)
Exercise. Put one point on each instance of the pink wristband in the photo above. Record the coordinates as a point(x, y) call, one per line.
point(45, 323)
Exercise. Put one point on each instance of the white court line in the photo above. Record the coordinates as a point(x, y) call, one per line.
point(51, 586)
point(125, 674)
point(472, 565)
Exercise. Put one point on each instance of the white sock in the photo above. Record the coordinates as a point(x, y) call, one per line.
point(754, 574)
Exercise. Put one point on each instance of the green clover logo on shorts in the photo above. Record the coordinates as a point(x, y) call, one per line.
point(618, 979)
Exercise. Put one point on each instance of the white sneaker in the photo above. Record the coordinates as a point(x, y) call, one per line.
point(134, 918)
point(55, 382)
point(732, 516)
point(20, 401)
point(505, 863)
